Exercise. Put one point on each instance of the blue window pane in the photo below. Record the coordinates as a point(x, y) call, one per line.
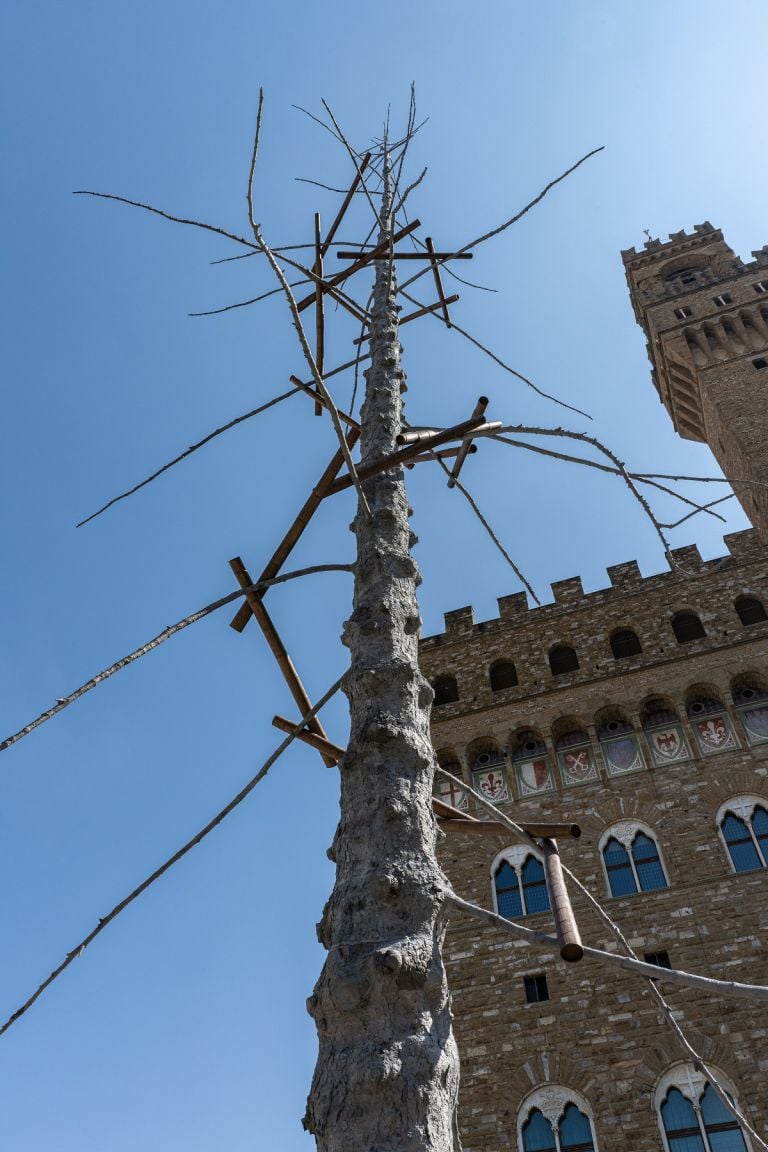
point(649, 870)
point(721, 1126)
point(760, 828)
point(740, 844)
point(620, 876)
point(537, 1134)
point(575, 1131)
point(680, 1124)
point(508, 898)
point(534, 886)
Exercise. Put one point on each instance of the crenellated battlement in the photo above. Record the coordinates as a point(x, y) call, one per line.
point(653, 247)
point(744, 548)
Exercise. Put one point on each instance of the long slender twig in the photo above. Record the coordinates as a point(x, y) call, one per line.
point(538, 450)
point(728, 989)
point(354, 157)
point(585, 438)
point(473, 505)
point(304, 343)
point(244, 303)
point(414, 184)
point(518, 215)
point(169, 863)
point(188, 452)
point(497, 360)
point(169, 216)
point(521, 834)
point(161, 637)
point(704, 508)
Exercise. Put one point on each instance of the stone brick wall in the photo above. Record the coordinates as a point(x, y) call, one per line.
point(599, 1033)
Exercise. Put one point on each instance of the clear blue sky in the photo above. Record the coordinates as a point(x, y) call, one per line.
point(183, 1027)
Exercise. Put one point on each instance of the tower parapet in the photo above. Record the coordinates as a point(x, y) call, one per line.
point(705, 315)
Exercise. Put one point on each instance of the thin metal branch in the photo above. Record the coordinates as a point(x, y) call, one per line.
point(354, 157)
point(188, 452)
point(615, 472)
point(304, 343)
point(246, 303)
point(497, 360)
point(518, 215)
point(174, 859)
point(703, 508)
point(473, 505)
point(169, 216)
point(161, 637)
point(409, 189)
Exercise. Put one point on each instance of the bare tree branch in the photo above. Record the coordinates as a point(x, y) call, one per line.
point(473, 505)
point(354, 157)
point(188, 452)
point(246, 303)
point(168, 864)
point(169, 216)
point(518, 215)
point(161, 637)
point(512, 371)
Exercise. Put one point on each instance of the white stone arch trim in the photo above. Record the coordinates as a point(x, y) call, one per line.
point(691, 1083)
point(515, 855)
point(742, 806)
point(625, 831)
point(552, 1101)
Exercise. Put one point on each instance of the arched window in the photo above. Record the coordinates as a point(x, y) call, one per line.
point(503, 675)
point(750, 610)
point(555, 1119)
point(687, 626)
point(750, 695)
point(632, 861)
point(563, 659)
point(518, 882)
point(446, 690)
point(692, 1116)
point(743, 824)
point(625, 643)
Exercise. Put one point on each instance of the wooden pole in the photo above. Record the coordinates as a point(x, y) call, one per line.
point(346, 203)
point(366, 258)
point(289, 541)
point(436, 275)
point(565, 922)
point(482, 404)
point(319, 310)
point(407, 453)
point(279, 651)
point(493, 828)
point(310, 738)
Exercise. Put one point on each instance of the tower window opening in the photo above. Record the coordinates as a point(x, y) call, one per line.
point(637, 869)
point(446, 691)
point(750, 610)
point(723, 299)
point(625, 643)
point(563, 659)
point(503, 674)
point(687, 626)
point(683, 313)
point(536, 989)
point(520, 886)
point(760, 363)
point(660, 959)
point(761, 286)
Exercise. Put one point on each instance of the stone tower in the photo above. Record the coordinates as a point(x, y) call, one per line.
point(705, 315)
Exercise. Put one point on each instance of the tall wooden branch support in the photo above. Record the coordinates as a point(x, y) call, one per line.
point(565, 922)
point(387, 1072)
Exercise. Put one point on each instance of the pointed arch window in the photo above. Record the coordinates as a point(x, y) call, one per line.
point(519, 885)
point(744, 828)
point(692, 1116)
point(632, 863)
point(750, 610)
point(555, 1119)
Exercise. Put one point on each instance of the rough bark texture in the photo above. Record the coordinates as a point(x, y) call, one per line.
point(388, 1070)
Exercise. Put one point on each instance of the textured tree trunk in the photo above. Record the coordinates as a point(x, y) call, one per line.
point(387, 1072)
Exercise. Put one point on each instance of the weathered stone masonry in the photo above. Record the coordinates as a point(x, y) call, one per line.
point(660, 741)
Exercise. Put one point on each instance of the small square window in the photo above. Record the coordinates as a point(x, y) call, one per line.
point(683, 313)
point(760, 363)
point(660, 959)
point(536, 988)
point(722, 300)
point(761, 286)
